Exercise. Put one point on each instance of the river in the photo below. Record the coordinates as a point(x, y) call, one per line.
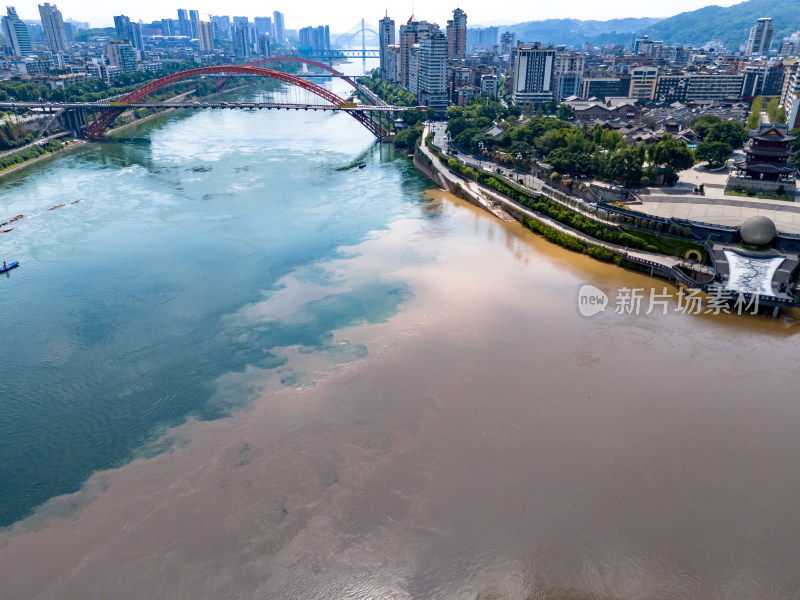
point(243, 367)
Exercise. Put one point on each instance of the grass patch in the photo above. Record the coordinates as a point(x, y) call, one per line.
point(785, 198)
point(744, 246)
point(668, 245)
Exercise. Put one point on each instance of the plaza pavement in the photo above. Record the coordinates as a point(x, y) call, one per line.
point(715, 207)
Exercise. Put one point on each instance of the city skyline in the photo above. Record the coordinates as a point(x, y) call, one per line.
point(436, 12)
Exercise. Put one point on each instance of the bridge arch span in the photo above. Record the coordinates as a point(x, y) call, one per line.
point(97, 127)
point(310, 63)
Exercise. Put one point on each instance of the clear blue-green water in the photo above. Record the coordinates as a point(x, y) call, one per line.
point(121, 320)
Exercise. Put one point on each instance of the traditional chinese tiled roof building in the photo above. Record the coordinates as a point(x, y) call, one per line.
point(767, 155)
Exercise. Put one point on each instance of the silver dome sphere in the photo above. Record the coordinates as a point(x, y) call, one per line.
point(757, 231)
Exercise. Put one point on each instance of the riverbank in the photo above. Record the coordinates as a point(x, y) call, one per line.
point(137, 121)
point(14, 168)
point(501, 206)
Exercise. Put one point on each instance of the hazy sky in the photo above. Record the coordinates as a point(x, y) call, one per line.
point(342, 15)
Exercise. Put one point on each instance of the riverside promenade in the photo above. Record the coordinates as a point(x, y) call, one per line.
point(485, 197)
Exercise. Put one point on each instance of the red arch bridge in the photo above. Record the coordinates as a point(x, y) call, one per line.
point(136, 99)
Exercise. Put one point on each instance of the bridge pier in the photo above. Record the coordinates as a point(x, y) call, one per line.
point(74, 120)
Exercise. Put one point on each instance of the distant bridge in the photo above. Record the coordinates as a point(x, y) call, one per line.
point(333, 54)
point(334, 102)
point(73, 115)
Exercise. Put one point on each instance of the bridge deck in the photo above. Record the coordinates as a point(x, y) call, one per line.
point(232, 105)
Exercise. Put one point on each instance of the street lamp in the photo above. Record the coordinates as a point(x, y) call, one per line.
point(480, 156)
point(519, 158)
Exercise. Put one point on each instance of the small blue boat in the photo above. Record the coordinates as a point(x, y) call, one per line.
point(10, 266)
point(362, 165)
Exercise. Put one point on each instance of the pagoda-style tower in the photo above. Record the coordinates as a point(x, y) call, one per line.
point(766, 169)
point(767, 154)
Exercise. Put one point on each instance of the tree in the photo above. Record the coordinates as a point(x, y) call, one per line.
point(702, 124)
point(565, 112)
point(408, 138)
point(716, 153)
point(755, 113)
point(565, 160)
point(731, 132)
point(457, 125)
point(671, 152)
point(772, 109)
point(625, 167)
point(455, 111)
point(527, 109)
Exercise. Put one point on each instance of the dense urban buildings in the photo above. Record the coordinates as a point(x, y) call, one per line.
point(439, 66)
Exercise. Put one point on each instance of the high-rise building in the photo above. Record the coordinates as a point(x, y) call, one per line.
point(53, 23)
point(16, 32)
point(411, 33)
point(184, 26)
point(316, 38)
point(263, 25)
point(263, 45)
point(166, 27)
point(391, 61)
point(482, 38)
point(122, 55)
point(413, 70)
point(222, 27)
point(136, 36)
point(760, 37)
point(386, 34)
point(280, 29)
point(790, 93)
point(532, 74)
point(194, 19)
point(457, 35)
point(122, 26)
point(205, 36)
point(569, 73)
point(241, 39)
point(128, 31)
point(506, 43)
point(432, 72)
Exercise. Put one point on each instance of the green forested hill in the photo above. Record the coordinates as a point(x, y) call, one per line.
point(731, 25)
point(574, 31)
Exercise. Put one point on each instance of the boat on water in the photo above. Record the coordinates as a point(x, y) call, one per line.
point(9, 266)
point(362, 165)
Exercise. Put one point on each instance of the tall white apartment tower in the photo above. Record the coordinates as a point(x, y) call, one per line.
point(53, 25)
point(386, 33)
point(760, 37)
